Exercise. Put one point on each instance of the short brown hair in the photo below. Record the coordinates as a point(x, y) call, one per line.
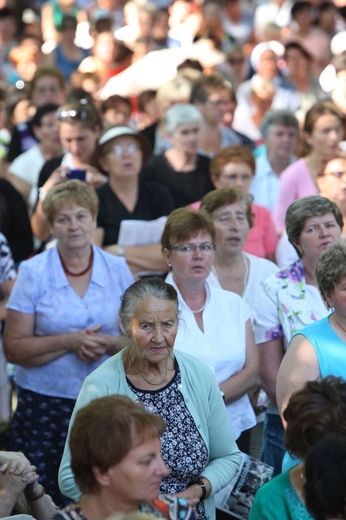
point(104, 432)
point(73, 192)
point(183, 223)
point(318, 408)
point(232, 154)
point(47, 71)
point(80, 112)
point(206, 85)
point(304, 208)
point(330, 268)
point(223, 197)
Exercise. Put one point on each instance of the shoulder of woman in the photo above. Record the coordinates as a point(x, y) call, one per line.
point(220, 296)
point(295, 170)
point(269, 497)
point(194, 367)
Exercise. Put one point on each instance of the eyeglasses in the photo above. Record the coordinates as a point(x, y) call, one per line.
point(119, 149)
point(235, 177)
point(79, 114)
point(339, 174)
point(192, 248)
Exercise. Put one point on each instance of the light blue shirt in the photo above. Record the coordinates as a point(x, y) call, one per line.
point(265, 184)
point(42, 289)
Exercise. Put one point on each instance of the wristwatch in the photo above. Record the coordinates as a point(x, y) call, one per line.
point(201, 484)
point(120, 251)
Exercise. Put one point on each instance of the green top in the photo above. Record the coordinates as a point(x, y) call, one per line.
point(277, 500)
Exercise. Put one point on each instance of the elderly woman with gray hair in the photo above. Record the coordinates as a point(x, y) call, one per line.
point(197, 445)
point(182, 169)
point(290, 301)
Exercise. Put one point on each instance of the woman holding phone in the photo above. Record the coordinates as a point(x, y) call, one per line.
point(80, 127)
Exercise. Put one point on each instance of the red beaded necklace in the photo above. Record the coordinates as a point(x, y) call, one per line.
point(66, 271)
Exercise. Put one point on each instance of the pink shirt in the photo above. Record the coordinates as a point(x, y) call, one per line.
point(296, 181)
point(262, 238)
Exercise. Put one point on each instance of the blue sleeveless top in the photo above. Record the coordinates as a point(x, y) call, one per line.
point(330, 349)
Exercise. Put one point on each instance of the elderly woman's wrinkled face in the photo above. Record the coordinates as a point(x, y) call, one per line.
point(185, 138)
point(317, 234)
point(153, 330)
point(234, 175)
point(72, 227)
point(191, 259)
point(123, 159)
point(332, 184)
point(232, 228)
point(137, 477)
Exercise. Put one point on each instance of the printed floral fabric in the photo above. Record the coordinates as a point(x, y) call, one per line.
point(287, 305)
point(166, 506)
point(183, 449)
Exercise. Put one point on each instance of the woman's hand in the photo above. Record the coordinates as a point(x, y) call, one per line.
point(95, 178)
point(88, 345)
point(191, 494)
point(194, 492)
point(15, 476)
point(57, 177)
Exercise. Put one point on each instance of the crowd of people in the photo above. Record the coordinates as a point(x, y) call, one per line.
point(172, 263)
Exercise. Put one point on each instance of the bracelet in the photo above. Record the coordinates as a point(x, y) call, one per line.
point(201, 484)
point(33, 498)
point(120, 251)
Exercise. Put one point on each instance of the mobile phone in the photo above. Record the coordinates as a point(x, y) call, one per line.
point(76, 174)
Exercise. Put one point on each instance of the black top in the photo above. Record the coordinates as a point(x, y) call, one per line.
point(14, 222)
point(22, 139)
point(154, 201)
point(150, 133)
point(48, 168)
point(185, 187)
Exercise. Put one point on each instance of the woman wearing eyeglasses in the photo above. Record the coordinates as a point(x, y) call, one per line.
point(125, 198)
point(80, 127)
point(217, 327)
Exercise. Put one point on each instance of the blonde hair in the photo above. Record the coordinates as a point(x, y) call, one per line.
point(73, 192)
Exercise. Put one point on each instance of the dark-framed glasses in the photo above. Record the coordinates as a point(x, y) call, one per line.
point(192, 248)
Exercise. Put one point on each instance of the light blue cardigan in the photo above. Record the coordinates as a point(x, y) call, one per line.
point(203, 399)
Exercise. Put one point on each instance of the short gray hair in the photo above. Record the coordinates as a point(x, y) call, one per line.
point(278, 117)
point(330, 268)
point(181, 114)
point(133, 297)
point(304, 208)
